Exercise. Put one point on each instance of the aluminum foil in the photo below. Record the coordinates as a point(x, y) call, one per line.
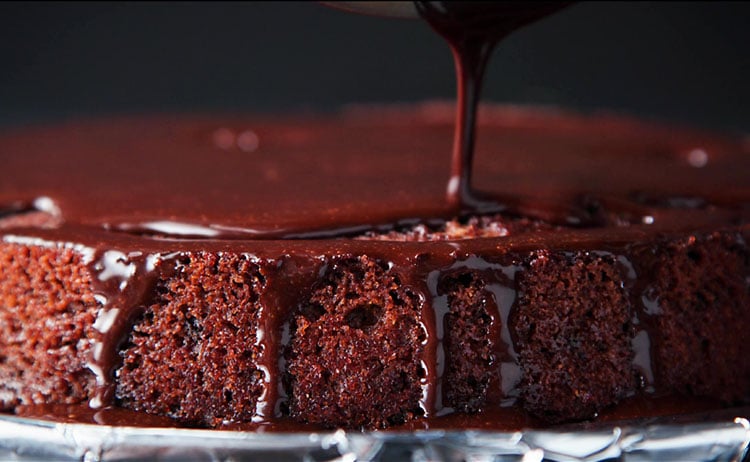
point(28, 439)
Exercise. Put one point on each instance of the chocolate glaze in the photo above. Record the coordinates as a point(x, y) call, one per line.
point(166, 176)
point(472, 29)
point(151, 174)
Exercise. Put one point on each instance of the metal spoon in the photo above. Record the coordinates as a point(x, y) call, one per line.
point(386, 9)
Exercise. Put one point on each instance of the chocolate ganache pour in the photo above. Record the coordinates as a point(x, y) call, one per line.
point(472, 30)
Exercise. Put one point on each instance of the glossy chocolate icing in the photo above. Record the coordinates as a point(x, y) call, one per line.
point(168, 175)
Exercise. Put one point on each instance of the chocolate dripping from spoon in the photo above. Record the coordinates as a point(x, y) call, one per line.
point(473, 29)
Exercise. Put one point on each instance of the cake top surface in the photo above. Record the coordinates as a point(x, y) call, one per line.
point(317, 176)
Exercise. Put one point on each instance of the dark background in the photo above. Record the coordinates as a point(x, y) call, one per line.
point(685, 62)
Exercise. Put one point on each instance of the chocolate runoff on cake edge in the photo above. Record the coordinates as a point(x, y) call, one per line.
point(125, 279)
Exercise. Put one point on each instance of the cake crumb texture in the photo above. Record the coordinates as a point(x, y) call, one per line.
point(354, 359)
point(192, 354)
point(469, 342)
point(698, 302)
point(47, 310)
point(572, 324)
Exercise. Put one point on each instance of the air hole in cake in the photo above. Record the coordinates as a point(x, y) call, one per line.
point(396, 298)
point(132, 365)
point(364, 316)
point(312, 311)
point(193, 329)
point(357, 272)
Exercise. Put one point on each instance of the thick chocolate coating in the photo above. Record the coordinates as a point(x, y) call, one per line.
point(367, 170)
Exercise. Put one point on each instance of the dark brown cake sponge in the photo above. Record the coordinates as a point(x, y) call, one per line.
point(572, 324)
point(192, 354)
point(698, 303)
point(47, 312)
point(469, 341)
point(354, 358)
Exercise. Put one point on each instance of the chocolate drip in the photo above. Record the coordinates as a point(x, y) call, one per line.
point(124, 285)
point(472, 29)
point(289, 281)
point(126, 277)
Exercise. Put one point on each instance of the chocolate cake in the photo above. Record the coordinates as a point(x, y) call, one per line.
point(240, 272)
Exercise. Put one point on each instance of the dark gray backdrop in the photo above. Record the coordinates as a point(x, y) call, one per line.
point(686, 62)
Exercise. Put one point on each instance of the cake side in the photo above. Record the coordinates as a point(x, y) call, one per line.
point(48, 311)
point(696, 304)
point(471, 339)
point(354, 358)
point(573, 329)
point(193, 353)
point(557, 332)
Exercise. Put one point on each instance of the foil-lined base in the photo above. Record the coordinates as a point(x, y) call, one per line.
point(29, 439)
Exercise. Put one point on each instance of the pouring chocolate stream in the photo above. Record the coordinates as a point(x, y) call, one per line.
point(472, 30)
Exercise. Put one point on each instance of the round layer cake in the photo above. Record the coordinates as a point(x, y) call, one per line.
point(245, 271)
